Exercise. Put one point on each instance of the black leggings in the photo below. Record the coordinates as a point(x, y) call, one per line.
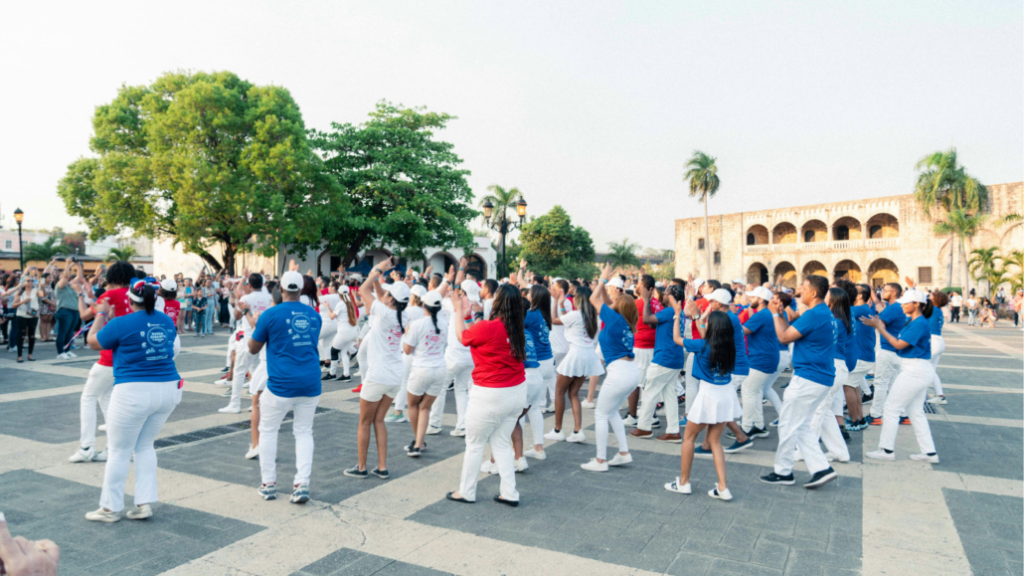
point(26, 327)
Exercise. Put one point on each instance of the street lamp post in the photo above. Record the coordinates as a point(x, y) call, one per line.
point(504, 226)
point(18, 217)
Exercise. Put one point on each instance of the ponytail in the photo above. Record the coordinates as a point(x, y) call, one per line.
point(433, 310)
point(927, 309)
point(399, 306)
point(149, 298)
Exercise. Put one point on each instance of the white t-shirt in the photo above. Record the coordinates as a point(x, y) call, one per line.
point(957, 300)
point(429, 345)
point(384, 349)
point(559, 345)
point(972, 303)
point(488, 304)
point(257, 302)
point(576, 330)
point(330, 302)
point(456, 353)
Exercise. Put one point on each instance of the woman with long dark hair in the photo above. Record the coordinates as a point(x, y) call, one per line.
point(309, 295)
point(425, 344)
point(715, 403)
point(913, 347)
point(580, 363)
point(538, 327)
point(498, 395)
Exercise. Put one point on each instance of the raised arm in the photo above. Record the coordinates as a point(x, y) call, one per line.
point(783, 330)
point(446, 282)
point(677, 334)
point(370, 288)
point(599, 297)
point(646, 315)
point(521, 275)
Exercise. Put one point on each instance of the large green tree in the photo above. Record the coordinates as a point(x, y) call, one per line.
point(404, 186)
point(702, 177)
point(623, 254)
point(961, 225)
point(203, 158)
point(551, 245)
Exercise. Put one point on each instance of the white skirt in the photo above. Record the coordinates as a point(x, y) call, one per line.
point(715, 404)
point(581, 361)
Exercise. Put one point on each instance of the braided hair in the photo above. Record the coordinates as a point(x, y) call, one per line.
point(510, 308)
point(433, 310)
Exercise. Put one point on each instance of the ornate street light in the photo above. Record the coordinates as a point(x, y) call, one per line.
point(18, 217)
point(503, 225)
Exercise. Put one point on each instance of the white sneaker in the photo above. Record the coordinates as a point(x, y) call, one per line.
point(223, 382)
point(675, 487)
point(102, 427)
point(934, 459)
point(431, 430)
point(230, 410)
point(619, 460)
point(832, 457)
point(552, 435)
point(71, 355)
point(254, 452)
point(458, 432)
point(63, 356)
point(550, 409)
point(102, 515)
point(723, 495)
point(521, 464)
point(881, 455)
point(531, 453)
point(140, 512)
point(226, 393)
point(588, 404)
point(83, 455)
point(937, 400)
point(248, 408)
point(489, 467)
point(576, 437)
point(102, 457)
point(629, 421)
point(595, 466)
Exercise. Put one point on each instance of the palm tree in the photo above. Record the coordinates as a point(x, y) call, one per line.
point(1016, 279)
point(702, 175)
point(119, 254)
point(984, 263)
point(960, 224)
point(46, 251)
point(502, 199)
point(943, 183)
point(1011, 218)
point(623, 254)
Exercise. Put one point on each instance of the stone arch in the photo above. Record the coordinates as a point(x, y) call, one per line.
point(814, 231)
point(785, 274)
point(883, 271)
point(1013, 238)
point(476, 266)
point(814, 268)
point(986, 238)
point(441, 261)
point(757, 235)
point(848, 269)
point(784, 233)
point(757, 274)
point(883, 225)
point(846, 228)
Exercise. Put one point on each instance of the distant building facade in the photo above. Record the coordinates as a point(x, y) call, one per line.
point(873, 241)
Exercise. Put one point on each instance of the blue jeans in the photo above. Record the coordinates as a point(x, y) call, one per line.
point(200, 320)
point(66, 319)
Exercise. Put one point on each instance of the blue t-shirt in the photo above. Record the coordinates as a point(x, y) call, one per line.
point(852, 348)
point(702, 364)
point(865, 334)
point(936, 322)
point(782, 347)
point(143, 346)
point(812, 353)
point(742, 362)
point(919, 337)
point(762, 342)
point(291, 331)
point(840, 339)
point(616, 338)
point(538, 328)
point(531, 352)
point(666, 352)
point(894, 319)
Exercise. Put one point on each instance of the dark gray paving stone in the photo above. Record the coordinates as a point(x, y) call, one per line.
point(348, 562)
point(984, 404)
point(949, 373)
point(14, 380)
point(991, 529)
point(39, 506)
point(978, 449)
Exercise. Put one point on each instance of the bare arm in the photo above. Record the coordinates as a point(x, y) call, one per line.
point(877, 323)
point(102, 309)
point(677, 335)
point(783, 330)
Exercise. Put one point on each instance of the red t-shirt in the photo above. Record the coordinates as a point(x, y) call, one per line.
point(702, 305)
point(493, 363)
point(172, 308)
point(118, 298)
point(644, 337)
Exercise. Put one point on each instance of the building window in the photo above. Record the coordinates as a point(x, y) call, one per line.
point(808, 235)
point(700, 243)
point(7, 245)
point(842, 233)
point(750, 240)
point(924, 275)
point(718, 257)
point(875, 231)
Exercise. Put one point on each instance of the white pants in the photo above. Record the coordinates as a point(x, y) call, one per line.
point(343, 341)
point(98, 388)
point(491, 417)
point(802, 400)
point(768, 389)
point(547, 371)
point(328, 330)
point(272, 411)
point(231, 347)
point(907, 394)
point(753, 394)
point(692, 384)
point(938, 347)
point(824, 422)
point(623, 377)
point(462, 374)
point(362, 357)
point(537, 396)
point(887, 366)
point(137, 412)
point(856, 377)
point(661, 387)
point(244, 362)
point(642, 360)
point(401, 401)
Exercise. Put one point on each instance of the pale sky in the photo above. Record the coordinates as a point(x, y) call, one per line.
point(592, 105)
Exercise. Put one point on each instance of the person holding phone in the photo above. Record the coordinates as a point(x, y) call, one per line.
point(27, 302)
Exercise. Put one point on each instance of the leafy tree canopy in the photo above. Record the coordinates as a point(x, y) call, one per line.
point(552, 246)
point(404, 186)
point(203, 158)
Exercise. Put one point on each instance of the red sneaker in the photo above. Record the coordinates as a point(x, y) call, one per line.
point(357, 389)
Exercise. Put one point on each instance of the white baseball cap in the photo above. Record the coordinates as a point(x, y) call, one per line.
point(616, 283)
point(913, 296)
point(721, 295)
point(761, 292)
point(738, 281)
point(432, 299)
point(472, 290)
point(169, 285)
point(291, 281)
point(399, 291)
point(698, 283)
point(418, 290)
point(658, 284)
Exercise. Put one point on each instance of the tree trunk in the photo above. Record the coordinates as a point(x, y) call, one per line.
point(229, 257)
point(949, 266)
point(707, 236)
point(210, 260)
point(963, 259)
point(353, 251)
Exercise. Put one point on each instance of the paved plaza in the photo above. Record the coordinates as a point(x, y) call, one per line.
point(961, 516)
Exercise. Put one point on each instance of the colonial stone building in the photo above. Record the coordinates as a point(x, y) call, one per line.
point(876, 240)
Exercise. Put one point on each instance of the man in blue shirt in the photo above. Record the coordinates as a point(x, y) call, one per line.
point(887, 363)
point(763, 353)
point(814, 372)
point(864, 347)
point(666, 363)
point(291, 332)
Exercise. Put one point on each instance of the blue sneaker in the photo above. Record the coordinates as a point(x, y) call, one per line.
point(737, 446)
point(774, 423)
point(301, 494)
point(701, 450)
point(268, 491)
point(869, 376)
point(682, 423)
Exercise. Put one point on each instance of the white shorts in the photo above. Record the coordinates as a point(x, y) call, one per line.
point(374, 392)
point(536, 388)
point(258, 379)
point(427, 381)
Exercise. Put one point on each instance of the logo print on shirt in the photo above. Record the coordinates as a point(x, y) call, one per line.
point(301, 323)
